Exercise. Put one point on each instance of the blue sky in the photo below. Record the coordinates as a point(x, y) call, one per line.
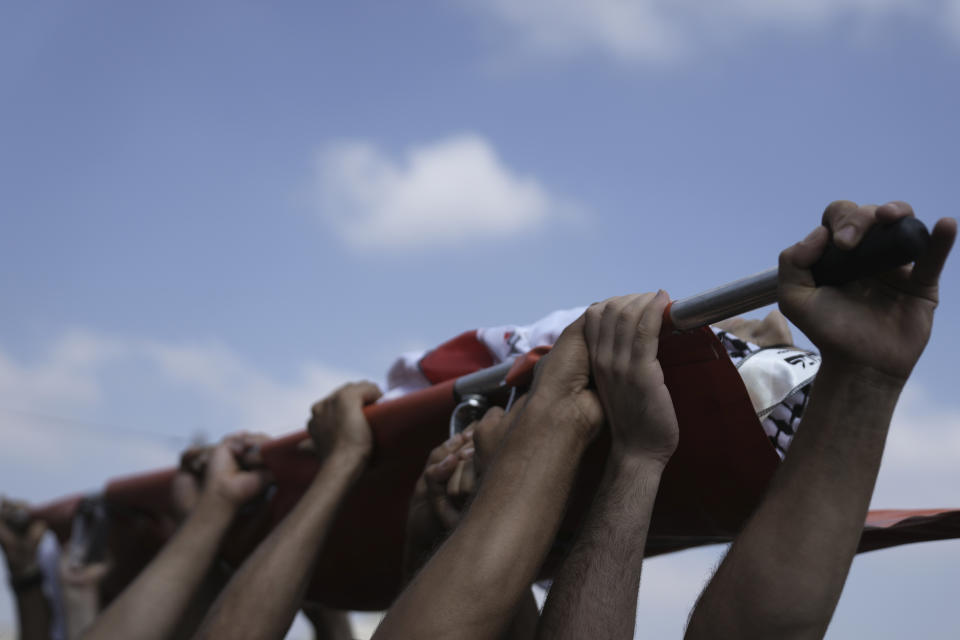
point(213, 213)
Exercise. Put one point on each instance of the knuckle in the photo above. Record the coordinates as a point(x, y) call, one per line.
point(837, 210)
point(593, 313)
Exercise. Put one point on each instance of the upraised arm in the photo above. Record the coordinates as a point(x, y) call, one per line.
point(595, 593)
point(442, 494)
point(265, 594)
point(471, 587)
point(26, 579)
point(153, 605)
point(784, 573)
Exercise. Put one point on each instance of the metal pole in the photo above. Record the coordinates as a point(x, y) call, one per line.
point(726, 301)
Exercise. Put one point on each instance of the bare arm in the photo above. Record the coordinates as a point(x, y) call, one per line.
point(81, 594)
point(153, 605)
point(471, 587)
point(785, 572)
point(595, 593)
point(33, 613)
point(448, 482)
point(20, 550)
point(264, 596)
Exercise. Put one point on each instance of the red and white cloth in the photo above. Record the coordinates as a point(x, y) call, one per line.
point(778, 380)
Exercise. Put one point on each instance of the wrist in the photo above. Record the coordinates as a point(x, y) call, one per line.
point(352, 456)
point(562, 417)
point(215, 508)
point(624, 463)
point(344, 463)
point(841, 371)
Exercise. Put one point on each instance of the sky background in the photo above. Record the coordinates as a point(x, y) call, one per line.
point(213, 213)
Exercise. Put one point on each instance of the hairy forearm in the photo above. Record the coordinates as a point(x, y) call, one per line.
point(472, 584)
point(595, 592)
point(784, 574)
point(153, 605)
point(206, 595)
point(264, 596)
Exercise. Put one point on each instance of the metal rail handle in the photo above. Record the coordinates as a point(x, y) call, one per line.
point(883, 247)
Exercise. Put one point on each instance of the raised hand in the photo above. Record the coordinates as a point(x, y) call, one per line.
point(623, 337)
point(337, 424)
point(439, 497)
point(19, 543)
point(881, 323)
point(231, 471)
point(561, 383)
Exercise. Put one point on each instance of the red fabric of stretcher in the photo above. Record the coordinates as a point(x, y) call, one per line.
point(714, 480)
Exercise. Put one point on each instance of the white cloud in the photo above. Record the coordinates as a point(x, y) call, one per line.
point(257, 402)
point(652, 30)
point(69, 422)
point(61, 374)
point(952, 17)
point(920, 463)
point(444, 192)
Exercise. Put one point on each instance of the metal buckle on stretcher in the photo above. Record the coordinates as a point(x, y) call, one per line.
point(470, 409)
point(472, 390)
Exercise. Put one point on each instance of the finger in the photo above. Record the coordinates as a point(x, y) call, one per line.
point(848, 222)
point(591, 327)
point(731, 325)
point(611, 322)
point(366, 391)
point(773, 331)
point(437, 475)
point(466, 442)
point(646, 340)
point(349, 403)
point(926, 273)
point(453, 483)
point(437, 454)
point(893, 211)
point(468, 478)
point(448, 447)
point(627, 327)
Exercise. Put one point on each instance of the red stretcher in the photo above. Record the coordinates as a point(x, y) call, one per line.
point(715, 479)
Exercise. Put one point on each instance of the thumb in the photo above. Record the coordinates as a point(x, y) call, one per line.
point(795, 261)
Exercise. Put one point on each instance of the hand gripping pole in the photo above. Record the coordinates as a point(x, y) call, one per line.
point(882, 248)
